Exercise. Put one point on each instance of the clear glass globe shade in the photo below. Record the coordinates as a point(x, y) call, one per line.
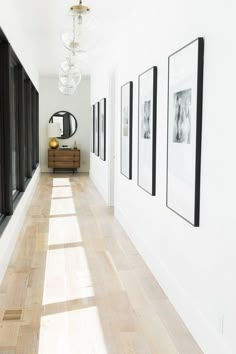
point(70, 79)
point(66, 90)
point(84, 23)
point(70, 66)
point(72, 43)
point(66, 81)
point(82, 43)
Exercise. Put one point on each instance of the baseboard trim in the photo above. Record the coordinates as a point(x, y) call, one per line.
point(99, 187)
point(206, 337)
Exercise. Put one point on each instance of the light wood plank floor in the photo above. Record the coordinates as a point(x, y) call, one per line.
point(76, 284)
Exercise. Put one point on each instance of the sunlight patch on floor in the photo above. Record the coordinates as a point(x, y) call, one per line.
point(72, 332)
point(61, 182)
point(64, 230)
point(61, 192)
point(67, 276)
point(63, 206)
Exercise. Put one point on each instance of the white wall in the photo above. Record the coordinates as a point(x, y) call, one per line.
point(195, 266)
point(101, 171)
point(52, 101)
point(10, 22)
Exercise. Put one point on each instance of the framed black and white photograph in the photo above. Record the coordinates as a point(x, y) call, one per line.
point(147, 130)
point(92, 129)
point(126, 129)
point(96, 128)
point(185, 89)
point(102, 129)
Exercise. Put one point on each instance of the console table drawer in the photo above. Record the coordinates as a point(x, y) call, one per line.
point(65, 164)
point(64, 159)
point(63, 152)
point(59, 158)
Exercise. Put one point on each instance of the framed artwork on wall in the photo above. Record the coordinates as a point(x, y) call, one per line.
point(102, 129)
point(126, 129)
point(147, 112)
point(185, 90)
point(92, 128)
point(96, 128)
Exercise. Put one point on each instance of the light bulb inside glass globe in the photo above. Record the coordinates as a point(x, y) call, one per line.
point(79, 30)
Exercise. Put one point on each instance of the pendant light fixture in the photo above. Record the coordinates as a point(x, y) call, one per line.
point(71, 40)
point(70, 74)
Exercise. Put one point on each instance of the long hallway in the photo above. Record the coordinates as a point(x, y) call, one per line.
point(76, 284)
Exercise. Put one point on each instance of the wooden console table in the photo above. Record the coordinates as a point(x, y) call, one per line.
point(64, 159)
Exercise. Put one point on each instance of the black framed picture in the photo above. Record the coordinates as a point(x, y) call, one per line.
point(96, 128)
point(147, 130)
point(126, 129)
point(185, 91)
point(92, 129)
point(102, 129)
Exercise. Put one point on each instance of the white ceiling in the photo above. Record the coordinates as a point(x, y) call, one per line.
point(44, 22)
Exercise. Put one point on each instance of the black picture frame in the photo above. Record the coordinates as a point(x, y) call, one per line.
point(126, 144)
point(184, 139)
point(102, 128)
point(147, 96)
point(96, 129)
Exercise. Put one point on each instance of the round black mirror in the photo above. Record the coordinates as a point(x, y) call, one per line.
point(67, 122)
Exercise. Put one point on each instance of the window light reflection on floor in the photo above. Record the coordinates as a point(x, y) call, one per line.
point(61, 192)
point(60, 182)
point(67, 276)
point(63, 230)
point(72, 332)
point(62, 206)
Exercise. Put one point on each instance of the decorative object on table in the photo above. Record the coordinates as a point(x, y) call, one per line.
point(184, 131)
point(67, 122)
point(64, 147)
point(126, 129)
point(53, 133)
point(92, 130)
point(75, 145)
point(96, 128)
point(102, 129)
point(147, 130)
